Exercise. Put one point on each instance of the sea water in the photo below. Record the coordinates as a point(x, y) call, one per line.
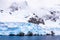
point(29, 37)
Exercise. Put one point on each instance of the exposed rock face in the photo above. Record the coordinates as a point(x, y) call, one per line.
point(36, 19)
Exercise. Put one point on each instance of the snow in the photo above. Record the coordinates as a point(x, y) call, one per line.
point(11, 17)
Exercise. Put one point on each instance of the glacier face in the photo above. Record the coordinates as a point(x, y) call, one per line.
point(7, 28)
point(16, 27)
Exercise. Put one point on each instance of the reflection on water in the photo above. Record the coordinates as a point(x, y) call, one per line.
point(29, 37)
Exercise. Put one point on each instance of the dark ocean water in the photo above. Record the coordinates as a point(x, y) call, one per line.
point(29, 37)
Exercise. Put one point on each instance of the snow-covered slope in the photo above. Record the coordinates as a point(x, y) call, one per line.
point(12, 12)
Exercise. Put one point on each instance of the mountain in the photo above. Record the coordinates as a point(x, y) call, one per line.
point(23, 16)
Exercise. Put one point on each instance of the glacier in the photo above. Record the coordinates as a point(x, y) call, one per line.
point(7, 28)
point(17, 27)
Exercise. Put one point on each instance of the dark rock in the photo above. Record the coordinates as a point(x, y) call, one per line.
point(32, 20)
point(53, 19)
point(36, 21)
point(1, 11)
point(48, 34)
point(50, 17)
point(26, 16)
point(14, 9)
point(36, 16)
point(41, 21)
point(36, 34)
point(29, 33)
point(52, 12)
point(33, 13)
point(10, 13)
point(21, 34)
point(12, 35)
point(52, 33)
